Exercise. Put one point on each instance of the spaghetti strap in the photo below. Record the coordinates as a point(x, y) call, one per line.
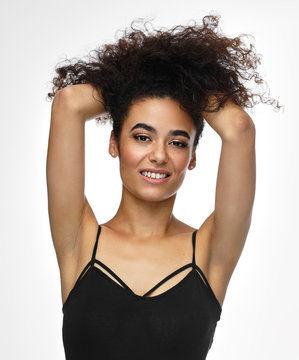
point(91, 262)
point(193, 259)
point(193, 246)
point(167, 278)
point(96, 245)
point(94, 260)
point(178, 270)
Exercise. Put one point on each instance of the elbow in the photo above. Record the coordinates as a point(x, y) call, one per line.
point(244, 124)
point(242, 128)
point(64, 99)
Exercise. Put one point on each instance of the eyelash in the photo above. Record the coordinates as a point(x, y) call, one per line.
point(182, 144)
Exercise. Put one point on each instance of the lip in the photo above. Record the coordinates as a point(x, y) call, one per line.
point(154, 181)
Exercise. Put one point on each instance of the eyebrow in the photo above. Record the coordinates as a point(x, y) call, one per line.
point(153, 130)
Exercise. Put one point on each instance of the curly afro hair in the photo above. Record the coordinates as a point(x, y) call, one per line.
point(186, 63)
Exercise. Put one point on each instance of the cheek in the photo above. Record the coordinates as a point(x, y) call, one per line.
point(180, 162)
point(130, 157)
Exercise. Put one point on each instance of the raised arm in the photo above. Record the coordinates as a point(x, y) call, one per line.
point(65, 169)
point(235, 191)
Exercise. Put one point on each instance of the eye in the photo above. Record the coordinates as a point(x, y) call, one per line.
point(141, 137)
point(179, 144)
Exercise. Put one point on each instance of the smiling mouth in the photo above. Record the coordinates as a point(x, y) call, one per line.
point(152, 175)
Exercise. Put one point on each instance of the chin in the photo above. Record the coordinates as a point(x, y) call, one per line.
point(153, 196)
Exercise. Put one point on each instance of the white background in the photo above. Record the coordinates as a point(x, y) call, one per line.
point(260, 313)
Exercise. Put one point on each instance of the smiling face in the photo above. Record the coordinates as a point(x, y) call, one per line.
point(156, 139)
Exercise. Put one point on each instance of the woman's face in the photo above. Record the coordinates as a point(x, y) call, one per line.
point(156, 138)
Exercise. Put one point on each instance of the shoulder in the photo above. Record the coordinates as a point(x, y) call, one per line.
point(205, 228)
point(203, 238)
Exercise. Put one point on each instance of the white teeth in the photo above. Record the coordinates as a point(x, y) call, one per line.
point(153, 175)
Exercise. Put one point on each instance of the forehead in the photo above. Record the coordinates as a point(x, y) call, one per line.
point(161, 113)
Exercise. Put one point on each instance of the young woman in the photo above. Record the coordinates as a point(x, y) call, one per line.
point(145, 284)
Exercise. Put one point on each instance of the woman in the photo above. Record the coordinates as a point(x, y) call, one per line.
point(144, 284)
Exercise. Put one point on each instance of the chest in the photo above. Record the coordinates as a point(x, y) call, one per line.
point(139, 268)
point(176, 324)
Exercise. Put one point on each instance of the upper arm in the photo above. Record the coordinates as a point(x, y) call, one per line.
point(65, 172)
point(235, 191)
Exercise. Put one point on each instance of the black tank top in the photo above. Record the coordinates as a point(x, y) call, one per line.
point(103, 320)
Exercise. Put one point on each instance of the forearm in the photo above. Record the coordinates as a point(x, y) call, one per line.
point(83, 99)
point(230, 120)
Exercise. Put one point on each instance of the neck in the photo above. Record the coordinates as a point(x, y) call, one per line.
point(142, 218)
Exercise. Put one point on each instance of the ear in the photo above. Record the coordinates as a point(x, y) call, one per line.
point(192, 162)
point(113, 148)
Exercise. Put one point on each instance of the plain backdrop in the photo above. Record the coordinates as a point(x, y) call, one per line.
point(260, 312)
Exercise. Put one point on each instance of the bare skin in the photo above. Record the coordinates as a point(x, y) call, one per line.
point(144, 242)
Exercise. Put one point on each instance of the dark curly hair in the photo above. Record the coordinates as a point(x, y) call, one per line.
point(186, 63)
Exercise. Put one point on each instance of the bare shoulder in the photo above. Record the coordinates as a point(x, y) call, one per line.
point(204, 232)
point(217, 278)
point(203, 241)
point(181, 227)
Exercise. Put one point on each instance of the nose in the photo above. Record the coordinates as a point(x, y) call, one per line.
point(158, 153)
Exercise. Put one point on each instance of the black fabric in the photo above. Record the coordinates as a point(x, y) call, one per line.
point(103, 320)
